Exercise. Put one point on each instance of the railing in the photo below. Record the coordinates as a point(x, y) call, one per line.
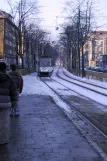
point(96, 75)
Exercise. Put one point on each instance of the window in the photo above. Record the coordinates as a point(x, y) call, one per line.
point(10, 51)
point(101, 43)
point(7, 42)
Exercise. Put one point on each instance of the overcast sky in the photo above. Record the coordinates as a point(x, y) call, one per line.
point(53, 12)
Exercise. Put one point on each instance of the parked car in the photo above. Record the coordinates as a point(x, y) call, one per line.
point(90, 68)
point(93, 68)
point(105, 70)
point(96, 68)
point(99, 69)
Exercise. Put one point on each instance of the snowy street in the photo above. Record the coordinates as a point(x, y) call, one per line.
point(53, 80)
point(49, 128)
point(92, 106)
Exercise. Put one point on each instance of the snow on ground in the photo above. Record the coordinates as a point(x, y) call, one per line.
point(96, 82)
point(87, 85)
point(85, 92)
point(33, 85)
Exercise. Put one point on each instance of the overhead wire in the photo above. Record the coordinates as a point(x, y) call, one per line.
point(55, 23)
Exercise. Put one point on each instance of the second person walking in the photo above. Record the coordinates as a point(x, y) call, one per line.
point(18, 80)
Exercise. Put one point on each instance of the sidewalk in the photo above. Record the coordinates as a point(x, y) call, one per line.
point(44, 133)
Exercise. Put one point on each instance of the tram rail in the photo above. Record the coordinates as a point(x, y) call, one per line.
point(84, 84)
point(88, 128)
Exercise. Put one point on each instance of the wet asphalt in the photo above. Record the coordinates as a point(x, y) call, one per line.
point(43, 132)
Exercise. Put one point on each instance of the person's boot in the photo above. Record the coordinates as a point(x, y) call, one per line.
point(17, 114)
point(12, 112)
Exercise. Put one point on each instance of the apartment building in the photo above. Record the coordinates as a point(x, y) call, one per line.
point(9, 39)
point(96, 46)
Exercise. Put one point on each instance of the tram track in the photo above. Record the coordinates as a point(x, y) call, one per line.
point(88, 83)
point(77, 83)
point(88, 129)
point(96, 118)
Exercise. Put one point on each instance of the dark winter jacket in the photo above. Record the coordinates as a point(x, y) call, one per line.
point(18, 80)
point(8, 91)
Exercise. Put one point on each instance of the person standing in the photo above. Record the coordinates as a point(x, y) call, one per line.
point(8, 98)
point(18, 80)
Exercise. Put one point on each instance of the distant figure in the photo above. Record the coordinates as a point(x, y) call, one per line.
point(18, 80)
point(8, 98)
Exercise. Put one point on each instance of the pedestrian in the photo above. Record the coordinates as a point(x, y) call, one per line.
point(18, 80)
point(8, 98)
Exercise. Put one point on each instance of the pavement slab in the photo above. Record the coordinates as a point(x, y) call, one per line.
point(43, 132)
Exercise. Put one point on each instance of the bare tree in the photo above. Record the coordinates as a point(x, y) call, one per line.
point(34, 38)
point(22, 11)
point(77, 31)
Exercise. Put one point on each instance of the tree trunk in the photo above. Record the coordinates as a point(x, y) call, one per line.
point(83, 72)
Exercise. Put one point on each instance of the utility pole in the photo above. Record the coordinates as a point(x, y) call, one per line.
point(21, 35)
point(78, 43)
point(83, 74)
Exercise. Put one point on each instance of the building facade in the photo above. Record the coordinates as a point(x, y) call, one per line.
point(9, 39)
point(96, 46)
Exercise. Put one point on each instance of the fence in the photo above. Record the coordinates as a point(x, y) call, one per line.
point(96, 75)
point(92, 75)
